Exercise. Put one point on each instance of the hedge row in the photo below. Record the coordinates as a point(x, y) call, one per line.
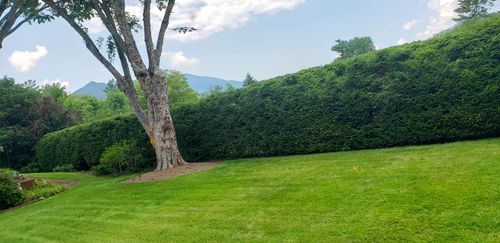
point(83, 145)
point(443, 89)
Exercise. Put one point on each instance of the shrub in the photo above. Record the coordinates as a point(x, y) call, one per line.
point(121, 158)
point(10, 193)
point(83, 145)
point(42, 189)
point(30, 168)
point(64, 168)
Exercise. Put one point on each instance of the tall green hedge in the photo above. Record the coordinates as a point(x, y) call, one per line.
point(443, 89)
point(83, 145)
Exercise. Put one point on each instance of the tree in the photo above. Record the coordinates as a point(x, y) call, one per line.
point(179, 92)
point(15, 13)
point(111, 86)
point(55, 90)
point(469, 9)
point(121, 25)
point(249, 80)
point(26, 114)
point(354, 47)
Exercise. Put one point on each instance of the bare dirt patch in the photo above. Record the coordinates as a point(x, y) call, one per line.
point(65, 183)
point(173, 172)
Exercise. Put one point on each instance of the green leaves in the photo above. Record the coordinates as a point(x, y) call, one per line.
point(354, 47)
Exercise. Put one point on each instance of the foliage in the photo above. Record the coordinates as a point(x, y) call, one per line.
point(444, 89)
point(120, 158)
point(249, 80)
point(179, 92)
point(354, 47)
point(83, 145)
point(64, 168)
point(10, 193)
point(469, 9)
point(42, 189)
point(26, 114)
point(15, 13)
point(91, 109)
point(438, 193)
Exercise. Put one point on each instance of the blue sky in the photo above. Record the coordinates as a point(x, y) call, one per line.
point(266, 38)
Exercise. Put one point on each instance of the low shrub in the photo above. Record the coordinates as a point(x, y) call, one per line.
point(30, 168)
point(64, 168)
point(83, 145)
point(10, 193)
point(42, 189)
point(121, 158)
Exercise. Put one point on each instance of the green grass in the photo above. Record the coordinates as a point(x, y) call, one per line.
point(441, 193)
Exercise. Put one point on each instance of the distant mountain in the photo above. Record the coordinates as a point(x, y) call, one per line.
point(93, 89)
point(200, 84)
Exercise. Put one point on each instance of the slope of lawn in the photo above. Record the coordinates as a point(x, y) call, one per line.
point(445, 192)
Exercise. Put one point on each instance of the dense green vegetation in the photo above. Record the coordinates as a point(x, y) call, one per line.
point(443, 89)
point(10, 194)
point(354, 47)
point(27, 112)
point(439, 193)
point(83, 145)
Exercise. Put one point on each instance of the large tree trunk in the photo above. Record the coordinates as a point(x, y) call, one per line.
point(162, 131)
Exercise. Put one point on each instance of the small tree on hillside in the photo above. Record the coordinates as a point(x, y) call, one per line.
point(469, 9)
point(354, 47)
point(15, 13)
point(249, 80)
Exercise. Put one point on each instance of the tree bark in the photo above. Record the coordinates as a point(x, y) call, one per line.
point(162, 131)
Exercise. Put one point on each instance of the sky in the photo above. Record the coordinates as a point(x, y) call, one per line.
point(266, 38)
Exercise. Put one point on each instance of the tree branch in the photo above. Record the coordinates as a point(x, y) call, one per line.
point(148, 38)
point(131, 49)
point(163, 28)
point(3, 6)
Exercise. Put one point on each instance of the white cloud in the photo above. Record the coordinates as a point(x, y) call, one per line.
point(213, 16)
point(178, 61)
point(443, 20)
point(57, 81)
point(411, 24)
point(402, 41)
point(25, 60)
point(94, 25)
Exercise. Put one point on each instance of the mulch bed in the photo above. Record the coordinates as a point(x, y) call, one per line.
point(173, 172)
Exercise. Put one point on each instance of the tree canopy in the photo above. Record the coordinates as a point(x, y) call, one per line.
point(15, 13)
point(249, 80)
point(469, 9)
point(354, 47)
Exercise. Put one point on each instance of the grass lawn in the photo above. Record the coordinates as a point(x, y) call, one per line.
point(445, 192)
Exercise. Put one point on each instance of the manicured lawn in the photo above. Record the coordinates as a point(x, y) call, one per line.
point(427, 193)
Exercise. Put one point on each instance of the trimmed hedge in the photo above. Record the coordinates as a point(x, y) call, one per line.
point(443, 89)
point(82, 146)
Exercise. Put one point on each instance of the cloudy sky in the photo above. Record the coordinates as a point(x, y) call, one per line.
point(266, 38)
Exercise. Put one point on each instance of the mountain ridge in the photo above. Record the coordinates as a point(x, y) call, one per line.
point(200, 84)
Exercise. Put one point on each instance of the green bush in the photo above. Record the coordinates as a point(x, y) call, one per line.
point(10, 193)
point(42, 189)
point(121, 158)
point(83, 145)
point(30, 168)
point(443, 89)
point(64, 168)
